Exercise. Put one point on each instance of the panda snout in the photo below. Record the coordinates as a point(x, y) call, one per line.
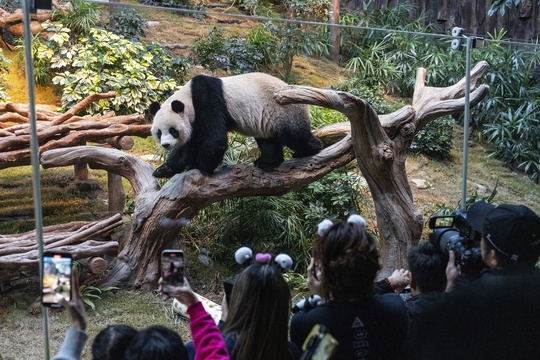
point(166, 145)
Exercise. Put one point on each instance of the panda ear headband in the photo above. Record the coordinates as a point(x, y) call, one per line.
point(326, 224)
point(244, 257)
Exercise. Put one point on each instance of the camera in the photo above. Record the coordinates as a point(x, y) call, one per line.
point(454, 233)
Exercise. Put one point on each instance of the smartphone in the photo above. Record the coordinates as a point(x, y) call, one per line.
point(227, 286)
point(172, 269)
point(319, 344)
point(56, 281)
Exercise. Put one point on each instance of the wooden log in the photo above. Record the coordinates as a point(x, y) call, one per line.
point(81, 105)
point(12, 266)
point(62, 235)
point(97, 265)
point(117, 195)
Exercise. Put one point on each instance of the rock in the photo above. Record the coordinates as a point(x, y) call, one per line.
point(481, 189)
point(420, 183)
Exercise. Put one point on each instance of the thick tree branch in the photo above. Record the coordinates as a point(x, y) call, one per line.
point(136, 171)
point(432, 102)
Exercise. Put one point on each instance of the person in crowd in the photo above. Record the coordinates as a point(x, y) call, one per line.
point(493, 317)
point(483, 320)
point(76, 336)
point(510, 243)
point(427, 273)
point(207, 340)
point(397, 282)
point(255, 322)
point(344, 264)
point(155, 342)
point(111, 342)
point(427, 278)
point(257, 318)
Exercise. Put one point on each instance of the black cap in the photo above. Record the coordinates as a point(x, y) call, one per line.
point(512, 230)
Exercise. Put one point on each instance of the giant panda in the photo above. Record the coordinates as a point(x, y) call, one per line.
point(193, 122)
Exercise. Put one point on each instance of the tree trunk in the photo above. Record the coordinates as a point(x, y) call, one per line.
point(380, 146)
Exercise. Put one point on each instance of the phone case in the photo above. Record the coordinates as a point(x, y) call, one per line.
point(172, 269)
point(56, 280)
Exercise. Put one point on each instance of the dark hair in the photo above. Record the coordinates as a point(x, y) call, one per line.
point(428, 267)
point(156, 343)
point(112, 341)
point(349, 261)
point(259, 314)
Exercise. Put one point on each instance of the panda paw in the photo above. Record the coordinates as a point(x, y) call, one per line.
point(163, 172)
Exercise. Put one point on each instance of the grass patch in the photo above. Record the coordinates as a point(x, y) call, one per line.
point(61, 202)
point(16, 83)
point(20, 315)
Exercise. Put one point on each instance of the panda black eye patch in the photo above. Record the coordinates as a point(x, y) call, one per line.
point(159, 134)
point(174, 133)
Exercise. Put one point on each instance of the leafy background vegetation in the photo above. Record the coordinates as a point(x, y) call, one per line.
point(84, 51)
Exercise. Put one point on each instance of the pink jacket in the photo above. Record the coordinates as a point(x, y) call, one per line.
point(207, 339)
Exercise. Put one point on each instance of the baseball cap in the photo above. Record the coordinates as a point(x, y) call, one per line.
point(512, 230)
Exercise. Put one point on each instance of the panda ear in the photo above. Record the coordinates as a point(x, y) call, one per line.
point(154, 108)
point(177, 106)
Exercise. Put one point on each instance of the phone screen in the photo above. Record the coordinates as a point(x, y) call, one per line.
point(56, 282)
point(172, 269)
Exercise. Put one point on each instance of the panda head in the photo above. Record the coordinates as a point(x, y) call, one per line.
point(172, 125)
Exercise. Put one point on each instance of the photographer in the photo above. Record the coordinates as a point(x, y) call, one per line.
point(510, 242)
point(497, 315)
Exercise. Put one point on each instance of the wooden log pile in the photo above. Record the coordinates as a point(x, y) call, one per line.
point(84, 240)
point(87, 241)
point(59, 130)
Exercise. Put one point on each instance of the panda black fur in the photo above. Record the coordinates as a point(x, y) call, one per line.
point(194, 122)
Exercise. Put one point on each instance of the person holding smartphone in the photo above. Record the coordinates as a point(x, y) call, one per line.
point(76, 336)
point(207, 339)
point(205, 333)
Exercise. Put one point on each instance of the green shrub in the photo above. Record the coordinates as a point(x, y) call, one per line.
point(264, 42)
point(373, 95)
point(510, 77)
point(103, 62)
point(128, 24)
point(516, 136)
point(321, 116)
point(290, 38)
point(234, 54)
point(4, 62)
point(84, 16)
point(435, 140)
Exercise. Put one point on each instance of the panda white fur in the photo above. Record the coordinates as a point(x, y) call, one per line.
point(194, 122)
